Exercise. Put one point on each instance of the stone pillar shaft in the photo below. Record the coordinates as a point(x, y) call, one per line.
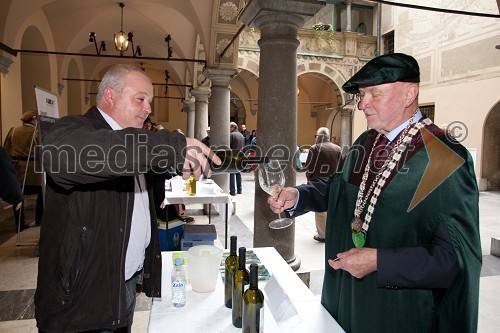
point(345, 130)
point(201, 95)
point(278, 22)
point(189, 108)
point(348, 26)
point(219, 113)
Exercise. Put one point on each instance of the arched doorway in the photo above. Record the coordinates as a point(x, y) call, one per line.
point(491, 149)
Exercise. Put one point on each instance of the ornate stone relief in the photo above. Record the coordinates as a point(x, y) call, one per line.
point(222, 40)
point(228, 12)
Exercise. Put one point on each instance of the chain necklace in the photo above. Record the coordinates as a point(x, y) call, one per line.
point(359, 228)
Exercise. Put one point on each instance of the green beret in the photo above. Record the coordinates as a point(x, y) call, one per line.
point(386, 68)
point(28, 115)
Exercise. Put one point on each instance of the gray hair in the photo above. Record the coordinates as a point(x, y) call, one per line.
point(115, 78)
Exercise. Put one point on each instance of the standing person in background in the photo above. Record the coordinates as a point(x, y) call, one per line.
point(322, 161)
point(246, 134)
point(20, 145)
point(10, 191)
point(237, 142)
point(403, 248)
point(206, 140)
point(253, 142)
point(253, 136)
point(99, 242)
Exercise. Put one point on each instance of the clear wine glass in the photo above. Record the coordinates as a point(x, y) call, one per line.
point(272, 181)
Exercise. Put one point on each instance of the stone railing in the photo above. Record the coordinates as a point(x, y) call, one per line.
point(321, 43)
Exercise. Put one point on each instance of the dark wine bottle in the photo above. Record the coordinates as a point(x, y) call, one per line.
point(253, 304)
point(234, 160)
point(240, 279)
point(230, 266)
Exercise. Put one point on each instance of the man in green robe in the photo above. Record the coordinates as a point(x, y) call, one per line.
point(402, 241)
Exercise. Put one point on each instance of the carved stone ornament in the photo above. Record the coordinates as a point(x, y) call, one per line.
point(228, 12)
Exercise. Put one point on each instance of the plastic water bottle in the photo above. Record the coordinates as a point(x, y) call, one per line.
point(178, 284)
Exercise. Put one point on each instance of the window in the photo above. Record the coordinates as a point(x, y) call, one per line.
point(388, 40)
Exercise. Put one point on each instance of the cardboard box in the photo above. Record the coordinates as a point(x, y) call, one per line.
point(171, 241)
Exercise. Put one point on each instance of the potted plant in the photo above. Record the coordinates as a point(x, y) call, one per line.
point(320, 26)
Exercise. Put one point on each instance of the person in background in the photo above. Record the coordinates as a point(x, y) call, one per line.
point(253, 142)
point(322, 161)
point(206, 140)
point(99, 242)
point(403, 247)
point(10, 191)
point(253, 137)
point(20, 145)
point(246, 134)
point(237, 142)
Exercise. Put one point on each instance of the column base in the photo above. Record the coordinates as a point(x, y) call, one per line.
point(294, 263)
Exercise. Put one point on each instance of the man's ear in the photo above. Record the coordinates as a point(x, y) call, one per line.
point(109, 95)
point(411, 93)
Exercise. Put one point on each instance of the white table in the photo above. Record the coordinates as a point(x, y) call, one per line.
point(206, 312)
point(211, 194)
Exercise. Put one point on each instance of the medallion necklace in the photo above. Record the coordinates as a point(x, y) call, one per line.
point(359, 228)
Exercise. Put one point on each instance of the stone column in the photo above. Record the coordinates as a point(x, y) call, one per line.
point(278, 22)
point(219, 116)
point(201, 95)
point(348, 25)
point(189, 108)
point(345, 130)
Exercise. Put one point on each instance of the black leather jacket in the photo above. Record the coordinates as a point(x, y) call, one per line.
point(87, 220)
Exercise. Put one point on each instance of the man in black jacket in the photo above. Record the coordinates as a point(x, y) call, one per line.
point(99, 237)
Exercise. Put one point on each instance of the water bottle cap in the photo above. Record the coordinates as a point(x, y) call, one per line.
point(178, 261)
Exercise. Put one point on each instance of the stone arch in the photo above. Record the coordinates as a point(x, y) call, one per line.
point(35, 69)
point(491, 149)
point(334, 79)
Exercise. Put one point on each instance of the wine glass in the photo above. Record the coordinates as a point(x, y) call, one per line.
point(272, 181)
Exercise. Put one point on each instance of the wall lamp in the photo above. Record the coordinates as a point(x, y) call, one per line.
point(170, 51)
point(92, 39)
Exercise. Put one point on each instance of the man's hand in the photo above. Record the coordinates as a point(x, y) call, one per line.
point(358, 262)
point(196, 159)
point(285, 200)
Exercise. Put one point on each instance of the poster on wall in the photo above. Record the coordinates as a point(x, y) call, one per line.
point(48, 110)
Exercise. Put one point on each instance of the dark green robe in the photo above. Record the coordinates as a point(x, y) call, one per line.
point(359, 305)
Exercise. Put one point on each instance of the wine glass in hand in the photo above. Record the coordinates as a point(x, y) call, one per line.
point(272, 181)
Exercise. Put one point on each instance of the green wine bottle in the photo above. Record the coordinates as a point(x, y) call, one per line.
point(230, 266)
point(235, 161)
point(253, 304)
point(240, 279)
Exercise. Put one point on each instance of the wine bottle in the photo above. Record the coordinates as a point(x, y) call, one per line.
point(234, 160)
point(253, 304)
point(230, 266)
point(240, 279)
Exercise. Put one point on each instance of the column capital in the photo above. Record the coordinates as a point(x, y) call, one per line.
point(201, 93)
point(221, 76)
point(4, 64)
point(295, 12)
point(189, 104)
